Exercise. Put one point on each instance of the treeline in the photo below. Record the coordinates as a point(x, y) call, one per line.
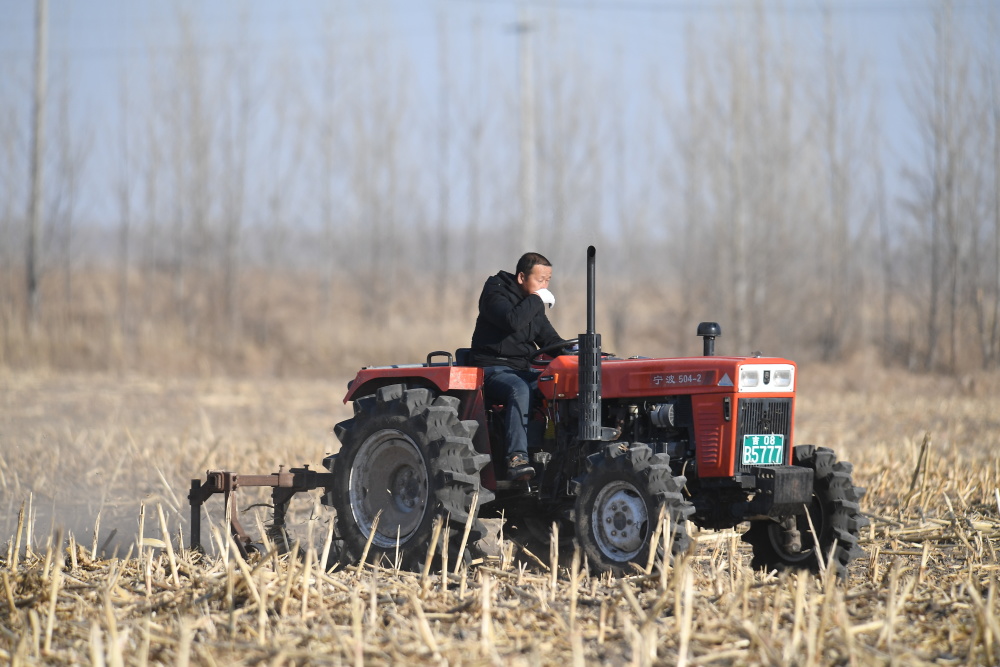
point(306, 211)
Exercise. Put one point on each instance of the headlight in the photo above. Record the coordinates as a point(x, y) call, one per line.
point(767, 377)
point(749, 377)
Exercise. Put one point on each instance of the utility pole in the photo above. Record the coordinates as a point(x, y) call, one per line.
point(37, 151)
point(527, 100)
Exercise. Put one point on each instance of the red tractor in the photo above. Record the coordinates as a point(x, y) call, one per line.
point(616, 444)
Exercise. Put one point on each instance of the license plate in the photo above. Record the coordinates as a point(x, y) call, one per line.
point(764, 450)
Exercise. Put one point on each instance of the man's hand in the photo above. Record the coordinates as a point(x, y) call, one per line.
point(547, 297)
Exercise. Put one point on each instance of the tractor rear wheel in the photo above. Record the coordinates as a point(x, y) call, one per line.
point(405, 458)
point(833, 512)
point(618, 505)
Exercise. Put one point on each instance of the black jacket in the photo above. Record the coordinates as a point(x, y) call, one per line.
point(510, 325)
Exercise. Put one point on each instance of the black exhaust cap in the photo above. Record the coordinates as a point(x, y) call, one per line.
point(708, 332)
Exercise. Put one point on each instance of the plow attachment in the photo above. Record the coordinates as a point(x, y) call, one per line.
point(284, 484)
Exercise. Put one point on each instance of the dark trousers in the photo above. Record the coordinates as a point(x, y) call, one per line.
point(515, 389)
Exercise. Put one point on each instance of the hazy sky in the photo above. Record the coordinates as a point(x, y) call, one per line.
point(100, 43)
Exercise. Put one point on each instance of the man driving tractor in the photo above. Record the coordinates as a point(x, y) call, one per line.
point(511, 325)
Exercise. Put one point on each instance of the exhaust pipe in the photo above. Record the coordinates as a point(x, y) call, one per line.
point(708, 332)
point(590, 363)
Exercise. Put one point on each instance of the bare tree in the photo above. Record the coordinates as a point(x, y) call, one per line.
point(884, 249)
point(380, 90)
point(746, 191)
point(12, 194)
point(630, 190)
point(474, 150)
point(285, 149)
point(153, 167)
point(124, 194)
point(331, 164)
point(689, 134)
point(526, 87)
point(444, 161)
point(987, 308)
point(845, 139)
point(239, 106)
point(73, 147)
point(185, 113)
point(570, 131)
point(36, 198)
point(942, 200)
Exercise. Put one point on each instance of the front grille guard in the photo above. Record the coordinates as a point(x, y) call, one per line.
point(759, 416)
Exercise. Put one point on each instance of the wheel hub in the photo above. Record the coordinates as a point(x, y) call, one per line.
point(389, 474)
point(620, 520)
point(405, 488)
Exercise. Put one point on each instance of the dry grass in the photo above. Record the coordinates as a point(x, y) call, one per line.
point(284, 327)
point(88, 460)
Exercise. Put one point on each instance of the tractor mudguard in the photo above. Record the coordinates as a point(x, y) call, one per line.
point(442, 377)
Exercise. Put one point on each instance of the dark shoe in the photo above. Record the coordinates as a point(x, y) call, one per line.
point(518, 468)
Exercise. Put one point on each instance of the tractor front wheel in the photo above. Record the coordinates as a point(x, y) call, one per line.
point(618, 505)
point(405, 458)
point(833, 513)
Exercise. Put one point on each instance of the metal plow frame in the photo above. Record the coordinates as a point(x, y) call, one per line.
point(284, 484)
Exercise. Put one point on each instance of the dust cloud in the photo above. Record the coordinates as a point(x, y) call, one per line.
point(82, 454)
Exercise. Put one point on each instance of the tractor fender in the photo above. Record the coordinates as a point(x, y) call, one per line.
point(442, 378)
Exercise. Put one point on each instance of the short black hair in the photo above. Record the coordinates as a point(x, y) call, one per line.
point(529, 261)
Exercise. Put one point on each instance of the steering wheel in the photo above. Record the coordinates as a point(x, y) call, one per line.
point(549, 349)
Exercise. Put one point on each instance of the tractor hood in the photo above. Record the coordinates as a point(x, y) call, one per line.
point(641, 378)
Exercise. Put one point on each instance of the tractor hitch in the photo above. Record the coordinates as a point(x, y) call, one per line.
point(284, 485)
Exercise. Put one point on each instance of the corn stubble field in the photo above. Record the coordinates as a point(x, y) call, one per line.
point(93, 483)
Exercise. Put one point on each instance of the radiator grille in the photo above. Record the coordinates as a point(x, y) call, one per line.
point(758, 416)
